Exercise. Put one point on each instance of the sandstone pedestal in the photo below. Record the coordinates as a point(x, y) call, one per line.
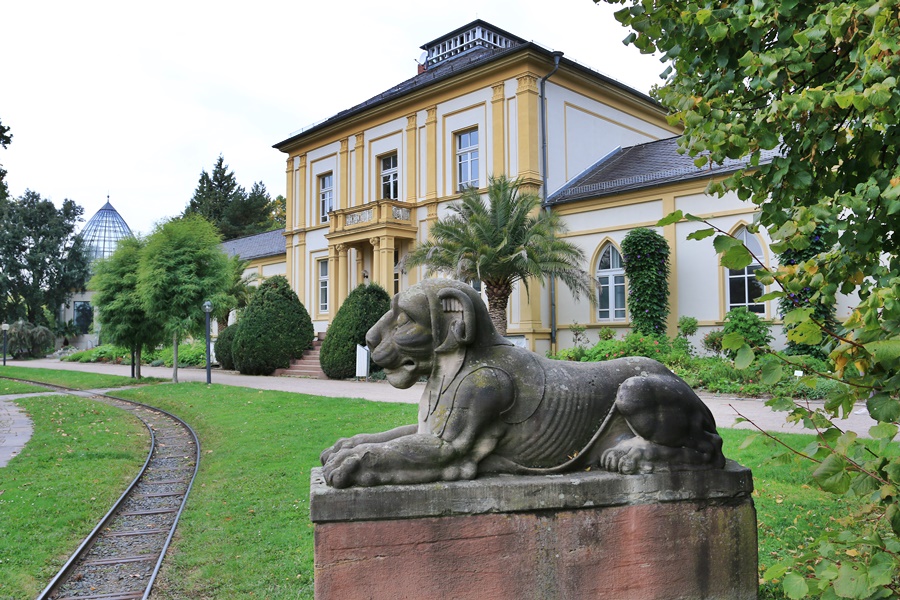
point(594, 535)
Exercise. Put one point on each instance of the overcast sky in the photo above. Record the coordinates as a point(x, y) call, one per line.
point(134, 100)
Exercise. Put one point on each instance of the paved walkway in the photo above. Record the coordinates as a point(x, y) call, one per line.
point(15, 430)
point(725, 408)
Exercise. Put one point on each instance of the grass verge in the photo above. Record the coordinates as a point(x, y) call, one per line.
point(8, 386)
point(246, 530)
point(80, 458)
point(73, 379)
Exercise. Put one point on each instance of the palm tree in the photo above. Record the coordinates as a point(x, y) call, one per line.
point(239, 292)
point(500, 242)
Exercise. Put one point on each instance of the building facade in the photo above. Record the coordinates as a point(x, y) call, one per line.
point(367, 184)
point(364, 186)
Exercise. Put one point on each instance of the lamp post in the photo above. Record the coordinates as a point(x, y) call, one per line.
point(207, 308)
point(5, 328)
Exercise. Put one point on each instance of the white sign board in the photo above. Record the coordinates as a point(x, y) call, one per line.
point(362, 361)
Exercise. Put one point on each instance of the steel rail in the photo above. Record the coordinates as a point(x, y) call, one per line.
point(66, 571)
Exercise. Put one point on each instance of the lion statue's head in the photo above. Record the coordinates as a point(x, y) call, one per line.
point(434, 317)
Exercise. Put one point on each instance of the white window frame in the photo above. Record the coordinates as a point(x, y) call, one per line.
point(467, 159)
point(390, 177)
point(326, 196)
point(745, 279)
point(322, 274)
point(615, 273)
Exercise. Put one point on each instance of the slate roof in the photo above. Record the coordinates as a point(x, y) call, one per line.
point(642, 166)
point(261, 245)
point(451, 67)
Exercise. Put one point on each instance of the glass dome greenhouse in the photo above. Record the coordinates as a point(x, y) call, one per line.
point(103, 232)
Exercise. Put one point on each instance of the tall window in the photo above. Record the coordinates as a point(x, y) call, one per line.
point(743, 287)
point(389, 177)
point(467, 159)
point(611, 277)
point(326, 196)
point(323, 286)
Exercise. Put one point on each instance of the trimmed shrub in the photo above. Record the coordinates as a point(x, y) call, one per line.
point(756, 332)
point(646, 256)
point(712, 341)
point(224, 347)
point(275, 327)
point(363, 308)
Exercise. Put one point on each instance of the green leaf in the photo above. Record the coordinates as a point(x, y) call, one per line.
point(806, 333)
point(893, 516)
point(733, 341)
point(832, 475)
point(703, 16)
point(772, 373)
point(744, 357)
point(737, 258)
point(670, 219)
point(775, 571)
point(882, 407)
point(723, 243)
point(795, 587)
point(717, 32)
point(771, 296)
point(884, 350)
point(885, 431)
point(798, 315)
point(851, 581)
point(701, 234)
point(749, 440)
point(881, 569)
point(845, 98)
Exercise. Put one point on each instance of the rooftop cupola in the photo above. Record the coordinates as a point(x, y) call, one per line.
point(477, 34)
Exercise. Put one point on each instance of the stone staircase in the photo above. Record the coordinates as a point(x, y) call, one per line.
point(308, 365)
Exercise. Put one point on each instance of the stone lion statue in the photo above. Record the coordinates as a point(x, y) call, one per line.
point(491, 407)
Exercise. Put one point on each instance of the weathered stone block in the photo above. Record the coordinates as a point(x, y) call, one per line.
point(593, 535)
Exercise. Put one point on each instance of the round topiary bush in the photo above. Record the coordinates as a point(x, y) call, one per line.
point(224, 347)
point(362, 309)
point(274, 328)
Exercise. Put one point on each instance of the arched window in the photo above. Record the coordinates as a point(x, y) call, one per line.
point(743, 288)
point(611, 277)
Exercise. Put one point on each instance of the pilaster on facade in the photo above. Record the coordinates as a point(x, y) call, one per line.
point(431, 161)
point(344, 168)
point(412, 154)
point(289, 187)
point(528, 130)
point(300, 201)
point(498, 128)
point(359, 174)
point(342, 273)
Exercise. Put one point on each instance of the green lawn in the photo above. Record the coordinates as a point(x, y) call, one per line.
point(17, 387)
point(72, 379)
point(246, 530)
point(79, 460)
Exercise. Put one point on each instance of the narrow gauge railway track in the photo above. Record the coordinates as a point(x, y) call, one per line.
point(121, 557)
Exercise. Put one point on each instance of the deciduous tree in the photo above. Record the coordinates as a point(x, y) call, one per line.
point(816, 83)
point(42, 260)
point(122, 312)
point(182, 266)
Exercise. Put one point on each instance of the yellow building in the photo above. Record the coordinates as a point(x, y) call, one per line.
point(364, 186)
